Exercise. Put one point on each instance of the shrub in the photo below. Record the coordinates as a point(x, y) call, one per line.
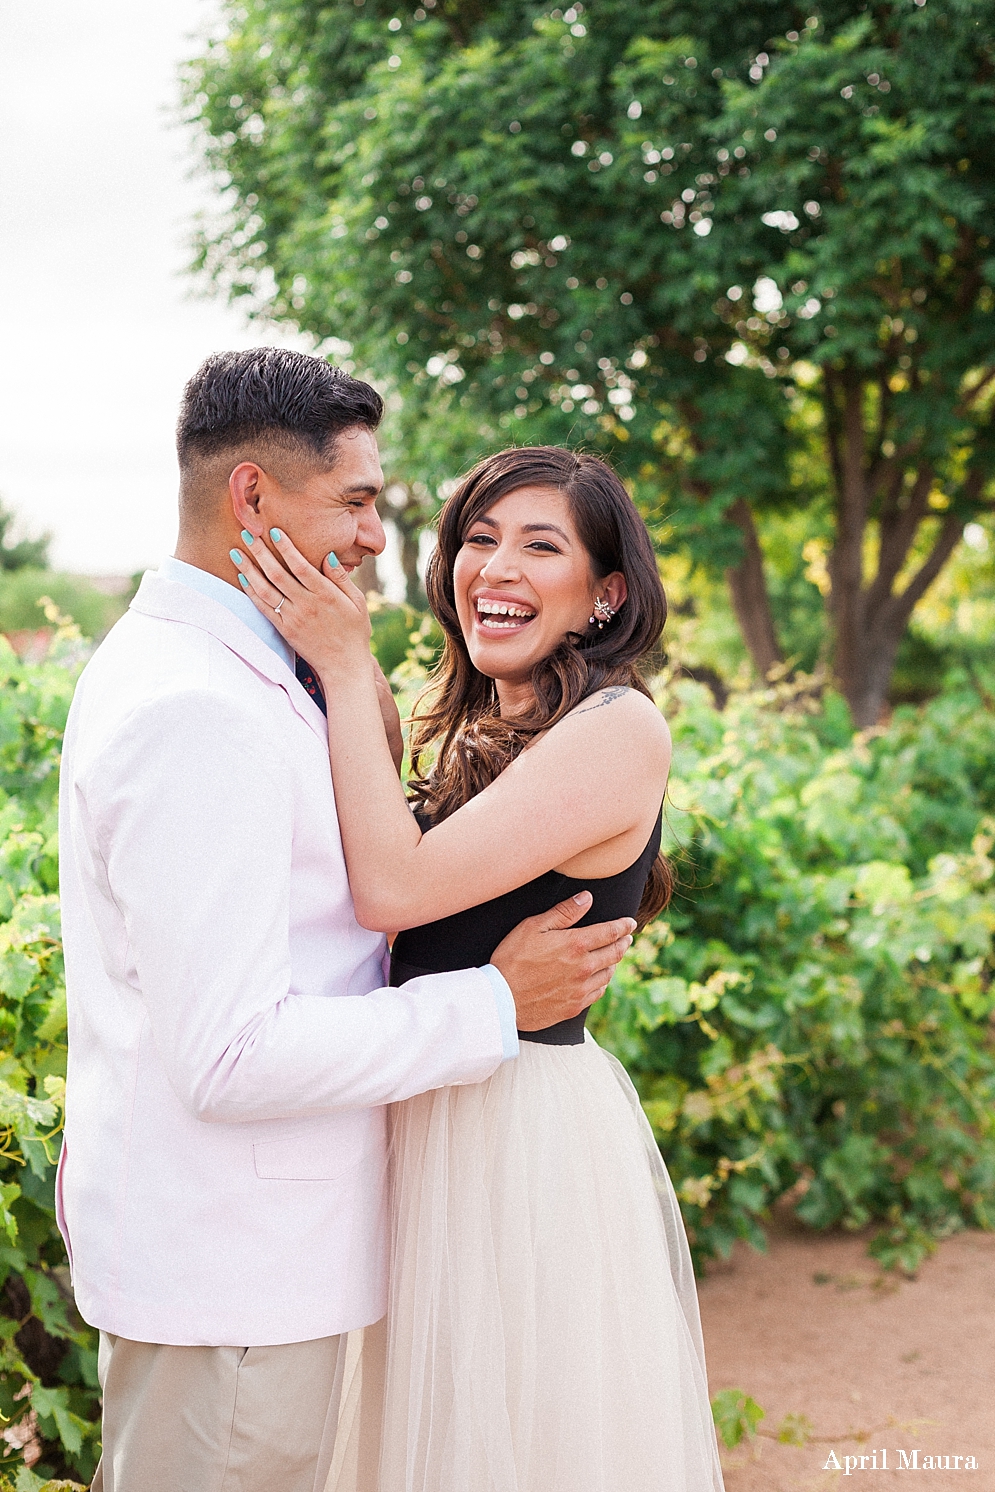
point(48, 1359)
point(21, 593)
point(26, 1481)
point(811, 1019)
point(396, 630)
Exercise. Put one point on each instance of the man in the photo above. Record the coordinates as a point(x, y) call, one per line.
point(221, 1185)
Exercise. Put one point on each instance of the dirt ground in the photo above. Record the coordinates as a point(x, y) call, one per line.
point(876, 1362)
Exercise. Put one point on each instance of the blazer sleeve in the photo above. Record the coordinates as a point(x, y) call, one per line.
point(190, 818)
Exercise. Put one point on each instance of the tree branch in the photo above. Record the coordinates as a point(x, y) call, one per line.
point(972, 393)
point(890, 470)
point(898, 532)
point(462, 17)
point(900, 609)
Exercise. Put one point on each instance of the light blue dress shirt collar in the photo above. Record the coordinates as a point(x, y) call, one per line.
point(235, 600)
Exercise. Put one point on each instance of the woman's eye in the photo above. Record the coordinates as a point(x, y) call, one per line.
point(544, 546)
point(480, 539)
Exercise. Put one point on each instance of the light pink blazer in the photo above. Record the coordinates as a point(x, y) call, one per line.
point(222, 1177)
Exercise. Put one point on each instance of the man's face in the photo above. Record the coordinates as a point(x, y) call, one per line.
point(335, 509)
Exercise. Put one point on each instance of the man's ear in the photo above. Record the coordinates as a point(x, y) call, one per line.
point(247, 485)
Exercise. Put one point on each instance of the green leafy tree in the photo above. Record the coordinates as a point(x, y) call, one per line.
point(28, 554)
point(643, 224)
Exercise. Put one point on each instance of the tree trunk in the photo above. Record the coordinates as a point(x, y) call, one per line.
point(867, 693)
point(870, 620)
point(410, 548)
point(866, 687)
point(748, 590)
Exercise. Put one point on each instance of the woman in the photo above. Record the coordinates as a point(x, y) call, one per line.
point(542, 1334)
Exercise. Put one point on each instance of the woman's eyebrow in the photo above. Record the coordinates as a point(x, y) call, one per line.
point(528, 528)
point(544, 528)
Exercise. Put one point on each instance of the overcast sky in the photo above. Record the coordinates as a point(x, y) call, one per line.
point(99, 326)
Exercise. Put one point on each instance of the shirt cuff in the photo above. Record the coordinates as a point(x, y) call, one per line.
point(507, 1015)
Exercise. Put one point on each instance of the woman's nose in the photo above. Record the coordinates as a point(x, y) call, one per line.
point(501, 565)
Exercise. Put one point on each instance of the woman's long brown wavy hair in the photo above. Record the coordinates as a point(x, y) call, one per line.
point(472, 744)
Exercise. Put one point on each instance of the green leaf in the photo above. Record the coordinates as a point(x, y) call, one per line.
point(55, 1018)
point(881, 885)
point(48, 1303)
point(53, 1404)
point(26, 1481)
point(671, 996)
point(736, 1416)
point(9, 1193)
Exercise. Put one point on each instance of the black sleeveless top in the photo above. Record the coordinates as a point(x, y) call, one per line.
point(468, 939)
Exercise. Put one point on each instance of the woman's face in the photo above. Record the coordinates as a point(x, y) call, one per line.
point(523, 580)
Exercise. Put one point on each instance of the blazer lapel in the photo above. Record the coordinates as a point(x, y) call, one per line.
point(173, 602)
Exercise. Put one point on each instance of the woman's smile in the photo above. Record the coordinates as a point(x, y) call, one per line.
point(500, 613)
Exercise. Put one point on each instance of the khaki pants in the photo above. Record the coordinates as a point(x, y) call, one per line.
point(218, 1419)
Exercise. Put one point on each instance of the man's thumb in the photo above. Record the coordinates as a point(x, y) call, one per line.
point(566, 913)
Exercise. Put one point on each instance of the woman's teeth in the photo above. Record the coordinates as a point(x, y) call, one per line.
point(488, 613)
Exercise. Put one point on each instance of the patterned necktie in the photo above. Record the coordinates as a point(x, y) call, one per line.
point(308, 678)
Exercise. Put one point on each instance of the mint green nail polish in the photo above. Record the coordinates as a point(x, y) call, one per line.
point(243, 582)
point(236, 556)
point(275, 535)
point(333, 560)
point(246, 536)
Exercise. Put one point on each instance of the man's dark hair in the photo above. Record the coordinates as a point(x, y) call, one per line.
point(274, 393)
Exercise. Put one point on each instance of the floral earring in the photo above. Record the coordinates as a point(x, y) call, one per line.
point(602, 613)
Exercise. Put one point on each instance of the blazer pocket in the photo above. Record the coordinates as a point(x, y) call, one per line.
point(304, 1158)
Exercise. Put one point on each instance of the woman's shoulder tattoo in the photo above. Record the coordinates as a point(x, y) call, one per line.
point(606, 697)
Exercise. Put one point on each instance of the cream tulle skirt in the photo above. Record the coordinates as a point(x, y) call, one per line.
point(542, 1333)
